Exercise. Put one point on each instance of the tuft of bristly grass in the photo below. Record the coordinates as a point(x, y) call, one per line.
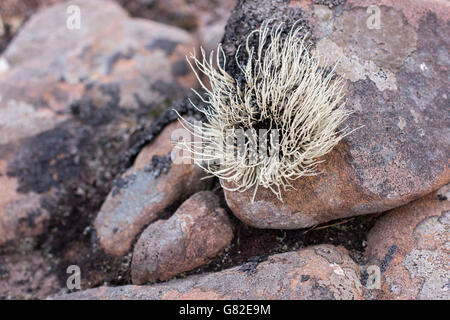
point(283, 89)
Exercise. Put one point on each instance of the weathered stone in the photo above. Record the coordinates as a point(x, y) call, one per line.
point(410, 245)
point(69, 102)
point(320, 272)
point(397, 83)
point(144, 192)
point(197, 231)
point(27, 276)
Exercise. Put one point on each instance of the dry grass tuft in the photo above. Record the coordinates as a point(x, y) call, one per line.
point(284, 90)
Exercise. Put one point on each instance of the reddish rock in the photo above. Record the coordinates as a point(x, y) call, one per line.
point(69, 102)
point(196, 233)
point(397, 80)
point(13, 13)
point(411, 245)
point(118, 51)
point(144, 192)
point(27, 276)
point(185, 14)
point(319, 272)
point(20, 215)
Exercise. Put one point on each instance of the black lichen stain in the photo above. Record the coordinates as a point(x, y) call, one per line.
point(419, 142)
point(92, 115)
point(183, 107)
point(78, 161)
point(63, 154)
point(166, 88)
point(180, 68)
point(250, 246)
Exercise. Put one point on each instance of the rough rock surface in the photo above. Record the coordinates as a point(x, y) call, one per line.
point(397, 85)
point(26, 276)
point(69, 103)
point(205, 18)
point(411, 246)
point(144, 192)
point(319, 272)
point(13, 13)
point(194, 234)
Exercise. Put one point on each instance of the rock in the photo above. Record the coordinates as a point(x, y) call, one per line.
point(199, 16)
point(185, 14)
point(144, 193)
point(2, 27)
point(197, 232)
point(410, 245)
point(106, 52)
point(12, 15)
point(204, 18)
point(20, 215)
point(27, 276)
point(396, 84)
point(70, 100)
point(4, 66)
point(320, 272)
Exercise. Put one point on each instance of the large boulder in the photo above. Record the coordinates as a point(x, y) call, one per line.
point(320, 272)
point(206, 18)
point(397, 79)
point(410, 245)
point(70, 100)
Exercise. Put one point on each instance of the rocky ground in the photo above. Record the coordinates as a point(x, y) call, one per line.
point(88, 179)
